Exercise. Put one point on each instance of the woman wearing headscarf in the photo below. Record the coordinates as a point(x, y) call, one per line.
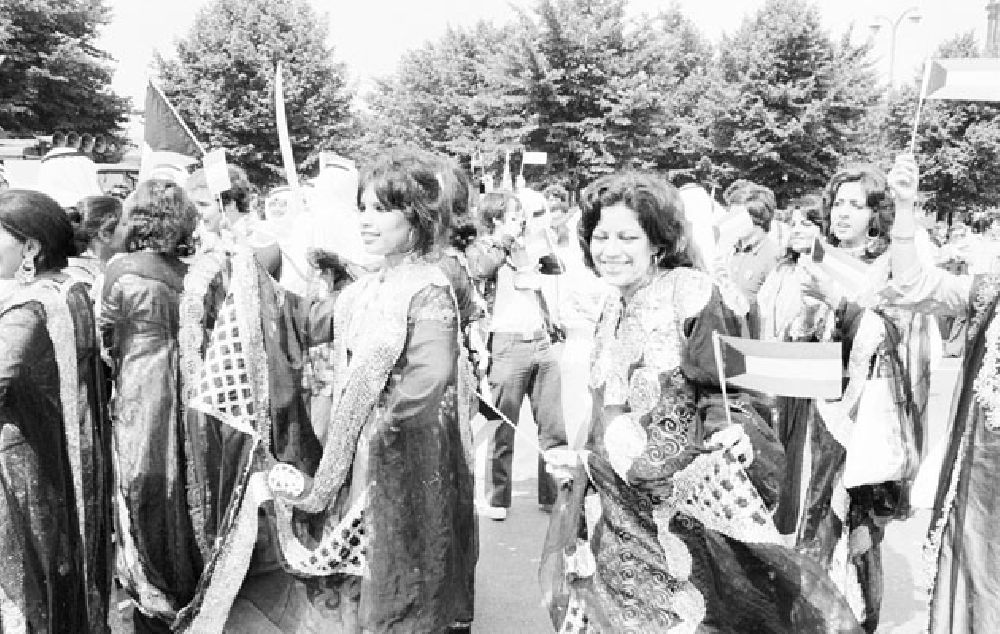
point(55, 509)
point(159, 561)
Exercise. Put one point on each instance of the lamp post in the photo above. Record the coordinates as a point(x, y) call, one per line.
point(913, 14)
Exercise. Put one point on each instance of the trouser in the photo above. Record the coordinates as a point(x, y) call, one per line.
point(523, 364)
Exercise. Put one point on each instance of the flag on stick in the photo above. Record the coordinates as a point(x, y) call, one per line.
point(506, 181)
point(804, 370)
point(216, 172)
point(850, 271)
point(166, 138)
point(969, 79)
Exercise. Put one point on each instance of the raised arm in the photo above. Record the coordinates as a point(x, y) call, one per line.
point(913, 284)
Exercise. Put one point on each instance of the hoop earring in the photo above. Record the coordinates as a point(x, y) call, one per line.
point(26, 272)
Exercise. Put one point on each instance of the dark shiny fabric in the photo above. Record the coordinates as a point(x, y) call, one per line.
point(42, 558)
point(872, 506)
point(966, 593)
point(139, 323)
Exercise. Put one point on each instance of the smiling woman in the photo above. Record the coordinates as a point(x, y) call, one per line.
point(684, 477)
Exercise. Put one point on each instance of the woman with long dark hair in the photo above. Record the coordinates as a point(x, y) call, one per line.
point(55, 509)
point(827, 509)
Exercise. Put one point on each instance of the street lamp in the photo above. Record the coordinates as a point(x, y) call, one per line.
point(913, 15)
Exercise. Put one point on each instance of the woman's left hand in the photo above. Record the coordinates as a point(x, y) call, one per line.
point(735, 439)
point(817, 284)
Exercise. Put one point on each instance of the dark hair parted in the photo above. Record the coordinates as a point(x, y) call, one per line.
point(27, 214)
point(411, 182)
point(875, 186)
point(494, 205)
point(657, 206)
point(160, 217)
point(97, 214)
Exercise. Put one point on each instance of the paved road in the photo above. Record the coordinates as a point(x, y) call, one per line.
point(507, 595)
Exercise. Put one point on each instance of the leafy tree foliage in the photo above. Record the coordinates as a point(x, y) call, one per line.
point(444, 96)
point(222, 83)
point(53, 75)
point(790, 102)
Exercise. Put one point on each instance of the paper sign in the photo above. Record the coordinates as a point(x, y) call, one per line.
point(535, 158)
point(216, 172)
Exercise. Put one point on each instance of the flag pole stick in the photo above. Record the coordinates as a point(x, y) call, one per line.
point(504, 419)
point(717, 348)
point(920, 104)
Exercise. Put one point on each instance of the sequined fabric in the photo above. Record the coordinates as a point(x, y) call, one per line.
point(681, 528)
point(55, 550)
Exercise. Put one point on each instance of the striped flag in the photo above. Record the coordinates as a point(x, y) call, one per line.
point(804, 370)
point(971, 79)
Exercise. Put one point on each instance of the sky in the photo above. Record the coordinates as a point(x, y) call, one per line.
point(371, 35)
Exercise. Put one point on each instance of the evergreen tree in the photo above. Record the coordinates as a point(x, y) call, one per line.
point(222, 83)
point(53, 75)
point(443, 96)
point(790, 103)
point(600, 91)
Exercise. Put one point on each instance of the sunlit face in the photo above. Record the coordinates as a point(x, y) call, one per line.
point(208, 208)
point(621, 249)
point(850, 216)
point(12, 252)
point(383, 231)
point(536, 215)
point(512, 221)
point(803, 232)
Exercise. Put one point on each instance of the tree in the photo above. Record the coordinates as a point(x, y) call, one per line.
point(222, 83)
point(601, 91)
point(790, 103)
point(443, 96)
point(53, 75)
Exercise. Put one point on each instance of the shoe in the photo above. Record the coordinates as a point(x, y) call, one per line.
point(495, 513)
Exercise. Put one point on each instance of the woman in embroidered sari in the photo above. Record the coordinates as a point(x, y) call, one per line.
point(158, 559)
point(55, 509)
point(962, 541)
point(684, 540)
point(828, 509)
point(391, 500)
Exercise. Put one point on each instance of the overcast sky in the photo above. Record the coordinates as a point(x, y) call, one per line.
point(370, 35)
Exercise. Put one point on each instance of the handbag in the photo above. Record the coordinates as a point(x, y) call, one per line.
point(875, 450)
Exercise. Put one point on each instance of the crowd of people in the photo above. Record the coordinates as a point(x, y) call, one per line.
point(294, 422)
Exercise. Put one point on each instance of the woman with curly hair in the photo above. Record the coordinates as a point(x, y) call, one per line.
point(683, 540)
point(828, 508)
point(159, 561)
